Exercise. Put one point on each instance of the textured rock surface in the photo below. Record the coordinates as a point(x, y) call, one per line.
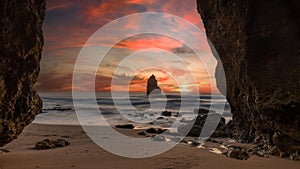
point(21, 42)
point(51, 143)
point(259, 45)
point(195, 126)
point(152, 85)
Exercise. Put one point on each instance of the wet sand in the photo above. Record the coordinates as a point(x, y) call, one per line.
point(83, 153)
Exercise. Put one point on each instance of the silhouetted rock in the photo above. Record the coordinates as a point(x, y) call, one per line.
point(152, 85)
point(201, 111)
point(166, 113)
point(21, 42)
point(155, 131)
point(261, 57)
point(125, 126)
point(160, 118)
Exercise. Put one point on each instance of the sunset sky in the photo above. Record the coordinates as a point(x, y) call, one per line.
point(69, 23)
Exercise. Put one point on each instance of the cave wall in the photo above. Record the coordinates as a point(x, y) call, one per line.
point(21, 42)
point(258, 43)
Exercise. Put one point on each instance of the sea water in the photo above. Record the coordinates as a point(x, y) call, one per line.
point(58, 108)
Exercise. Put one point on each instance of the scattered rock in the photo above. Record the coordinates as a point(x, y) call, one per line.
point(160, 118)
point(166, 113)
point(155, 131)
point(51, 143)
point(61, 143)
point(236, 152)
point(151, 130)
point(125, 126)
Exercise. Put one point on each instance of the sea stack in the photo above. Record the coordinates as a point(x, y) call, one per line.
point(152, 85)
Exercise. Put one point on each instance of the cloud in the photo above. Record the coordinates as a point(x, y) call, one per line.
point(68, 25)
point(149, 41)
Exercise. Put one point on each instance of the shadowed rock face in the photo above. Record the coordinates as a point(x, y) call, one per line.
point(21, 42)
point(152, 85)
point(259, 45)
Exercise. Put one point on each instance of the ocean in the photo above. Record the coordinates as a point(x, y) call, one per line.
point(58, 108)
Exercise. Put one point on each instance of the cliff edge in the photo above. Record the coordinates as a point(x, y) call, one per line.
point(21, 42)
point(259, 45)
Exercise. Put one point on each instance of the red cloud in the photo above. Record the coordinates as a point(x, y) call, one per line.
point(150, 42)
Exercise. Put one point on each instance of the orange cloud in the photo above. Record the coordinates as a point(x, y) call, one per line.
point(150, 42)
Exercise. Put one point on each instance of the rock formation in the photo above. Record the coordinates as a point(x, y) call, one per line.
point(51, 143)
point(21, 42)
point(259, 45)
point(196, 127)
point(152, 84)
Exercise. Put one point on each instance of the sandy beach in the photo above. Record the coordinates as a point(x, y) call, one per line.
point(83, 153)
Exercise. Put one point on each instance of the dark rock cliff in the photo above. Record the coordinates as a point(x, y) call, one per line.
point(21, 43)
point(259, 45)
point(152, 85)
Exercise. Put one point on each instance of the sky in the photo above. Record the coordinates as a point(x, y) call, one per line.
point(70, 23)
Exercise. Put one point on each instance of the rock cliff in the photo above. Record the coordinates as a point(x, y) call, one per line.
point(259, 46)
point(21, 42)
point(152, 84)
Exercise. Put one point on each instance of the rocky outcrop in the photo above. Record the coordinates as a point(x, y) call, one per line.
point(194, 127)
point(152, 85)
point(259, 45)
point(21, 42)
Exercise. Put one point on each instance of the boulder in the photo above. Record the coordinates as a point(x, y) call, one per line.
point(155, 131)
point(160, 118)
point(166, 113)
point(125, 126)
point(50, 143)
